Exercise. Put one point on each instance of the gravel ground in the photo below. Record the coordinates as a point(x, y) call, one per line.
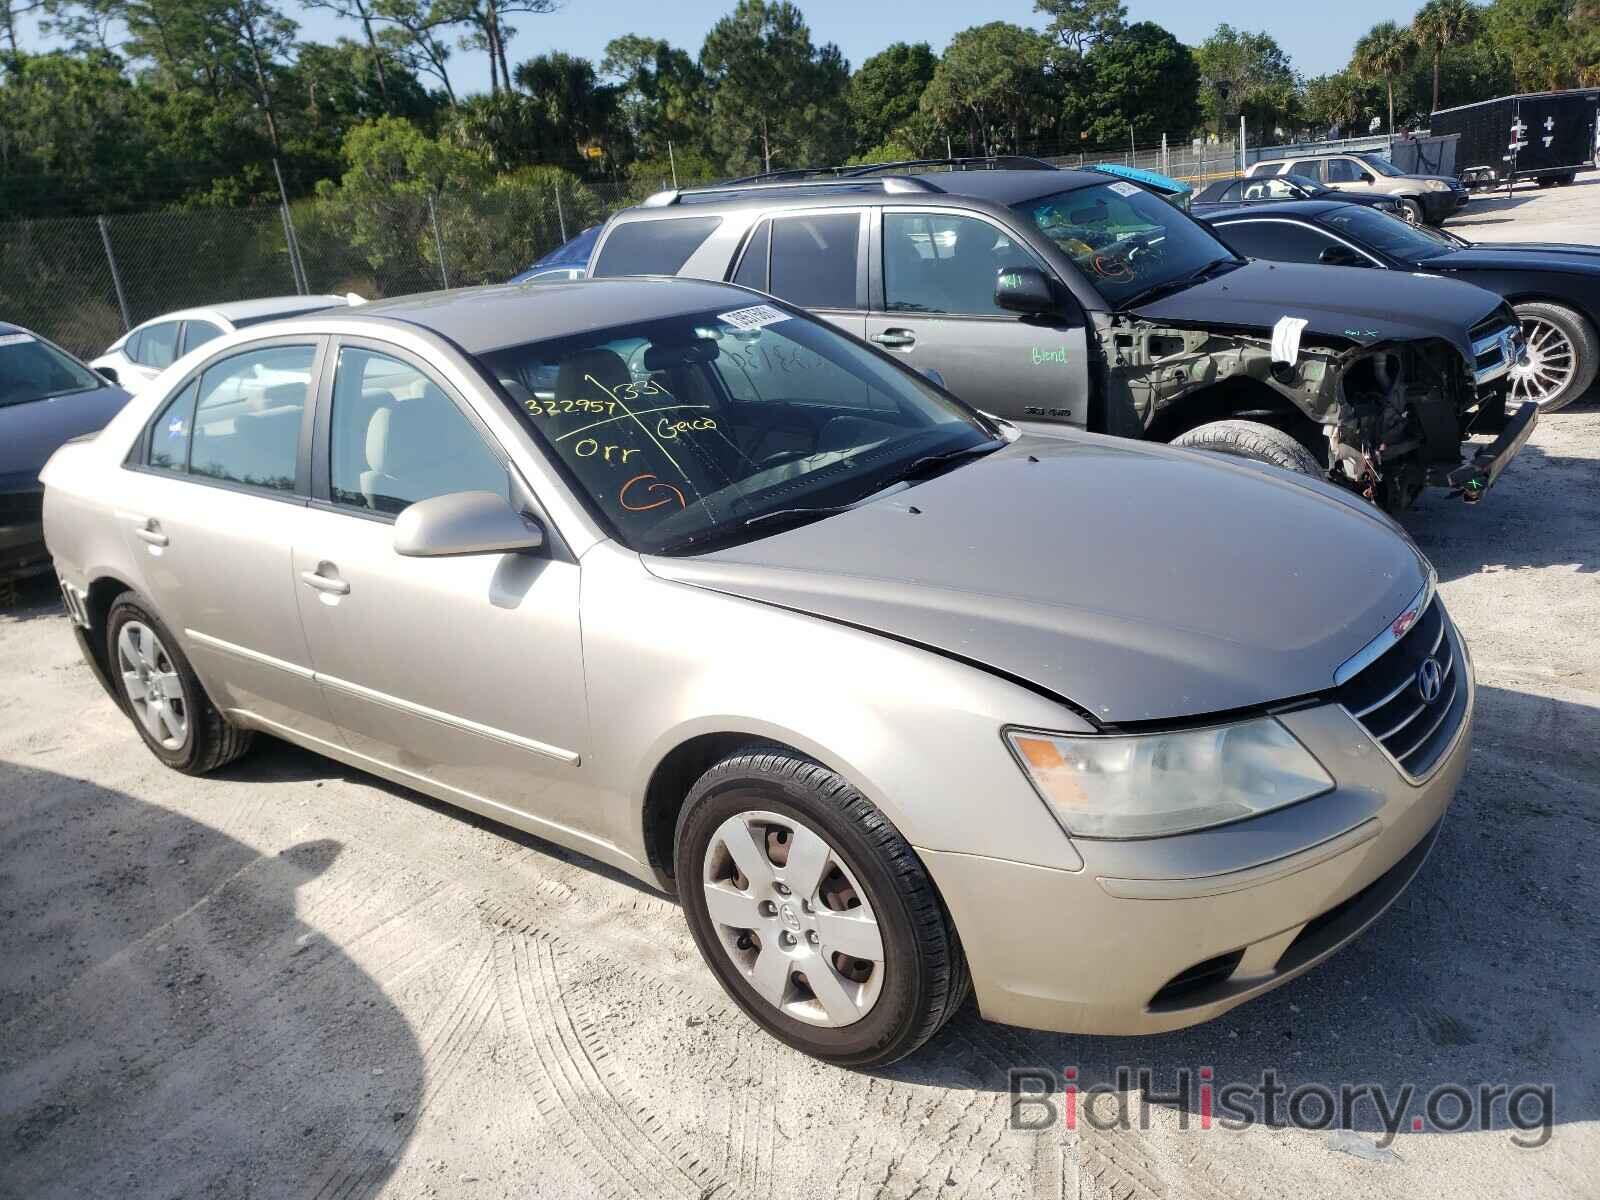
point(292, 979)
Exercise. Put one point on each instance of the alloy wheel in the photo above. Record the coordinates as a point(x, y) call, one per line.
point(792, 917)
point(155, 692)
point(1549, 366)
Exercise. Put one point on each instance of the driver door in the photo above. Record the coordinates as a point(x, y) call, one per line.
point(933, 308)
point(463, 671)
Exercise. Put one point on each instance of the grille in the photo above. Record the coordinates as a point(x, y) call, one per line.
point(1387, 698)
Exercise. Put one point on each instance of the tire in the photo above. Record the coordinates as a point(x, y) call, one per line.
point(1410, 211)
point(192, 737)
point(1253, 440)
point(1564, 180)
point(1546, 327)
point(872, 1011)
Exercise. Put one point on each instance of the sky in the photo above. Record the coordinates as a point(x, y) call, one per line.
point(861, 28)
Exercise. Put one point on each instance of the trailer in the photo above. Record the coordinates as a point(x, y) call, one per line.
point(1545, 136)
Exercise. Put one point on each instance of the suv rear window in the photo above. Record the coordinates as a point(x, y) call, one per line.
point(653, 247)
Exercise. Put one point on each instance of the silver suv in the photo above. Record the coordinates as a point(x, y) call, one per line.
point(1072, 298)
point(1422, 199)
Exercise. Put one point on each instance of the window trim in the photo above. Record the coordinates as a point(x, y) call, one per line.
point(320, 450)
point(737, 265)
point(138, 457)
point(1067, 314)
point(183, 334)
point(1314, 226)
point(863, 236)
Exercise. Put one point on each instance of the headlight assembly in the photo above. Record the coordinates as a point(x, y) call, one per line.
point(1152, 785)
point(1436, 185)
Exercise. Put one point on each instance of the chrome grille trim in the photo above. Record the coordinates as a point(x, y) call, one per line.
point(1414, 735)
point(1494, 355)
point(1364, 657)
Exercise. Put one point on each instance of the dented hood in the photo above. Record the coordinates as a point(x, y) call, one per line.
point(1344, 304)
point(1138, 582)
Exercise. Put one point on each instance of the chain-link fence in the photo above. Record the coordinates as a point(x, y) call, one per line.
point(84, 281)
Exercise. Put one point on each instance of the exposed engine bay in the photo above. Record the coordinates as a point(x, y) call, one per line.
point(1385, 418)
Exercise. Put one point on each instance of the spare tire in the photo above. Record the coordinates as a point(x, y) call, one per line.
point(1253, 440)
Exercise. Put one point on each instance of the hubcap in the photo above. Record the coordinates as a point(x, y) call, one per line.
point(792, 918)
point(1549, 366)
point(151, 681)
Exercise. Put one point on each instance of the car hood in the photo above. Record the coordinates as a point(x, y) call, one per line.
point(1348, 304)
point(31, 432)
point(1521, 256)
point(1137, 582)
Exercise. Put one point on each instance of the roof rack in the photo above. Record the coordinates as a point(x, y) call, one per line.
point(894, 178)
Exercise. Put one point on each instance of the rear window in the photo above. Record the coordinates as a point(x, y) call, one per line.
point(653, 247)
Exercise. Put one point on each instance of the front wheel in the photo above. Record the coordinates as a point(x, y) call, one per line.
point(1255, 441)
point(813, 912)
point(1410, 211)
point(1563, 355)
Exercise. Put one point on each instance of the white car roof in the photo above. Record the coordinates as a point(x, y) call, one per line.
point(252, 310)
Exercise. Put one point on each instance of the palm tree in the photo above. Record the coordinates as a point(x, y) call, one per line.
point(1383, 53)
point(1440, 24)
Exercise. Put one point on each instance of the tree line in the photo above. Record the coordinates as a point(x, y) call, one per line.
point(194, 103)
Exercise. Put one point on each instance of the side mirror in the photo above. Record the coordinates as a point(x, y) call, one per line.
point(935, 375)
point(108, 373)
point(1341, 256)
point(1365, 178)
point(1023, 290)
point(464, 523)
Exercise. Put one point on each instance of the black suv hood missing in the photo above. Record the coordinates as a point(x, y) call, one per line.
point(1358, 305)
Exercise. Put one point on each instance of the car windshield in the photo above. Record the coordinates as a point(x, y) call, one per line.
point(34, 370)
point(1390, 235)
point(1381, 165)
point(1125, 240)
point(714, 427)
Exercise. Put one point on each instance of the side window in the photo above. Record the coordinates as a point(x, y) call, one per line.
point(653, 247)
point(1342, 170)
point(198, 333)
point(947, 264)
point(752, 270)
point(814, 259)
point(158, 345)
point(1237, 189)
point(396, 438)
point(1278, 241)
point(171, 431)
point(247, 419)
point(1314, 167)
point(133, 347)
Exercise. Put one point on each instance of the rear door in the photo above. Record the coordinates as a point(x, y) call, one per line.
point(815, 260)
point(933, 281)
point(215, 496)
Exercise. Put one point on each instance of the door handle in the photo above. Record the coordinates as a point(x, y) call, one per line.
point(333, 585)
point(150, 531)
point(895, 338)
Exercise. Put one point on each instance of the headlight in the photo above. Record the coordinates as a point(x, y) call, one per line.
point(1435, 185)
point(1151, 785)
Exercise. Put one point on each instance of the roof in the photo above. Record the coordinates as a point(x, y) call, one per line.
point(1285, 208)
point(482, 319)
point(1155, 179)
point(1588, 93)
point(1008, 187)
point(928, 187)
point(253, 310)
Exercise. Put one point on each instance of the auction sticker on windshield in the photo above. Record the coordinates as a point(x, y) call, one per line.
point(1125, 189)
point(15, 339)
point(757, 316)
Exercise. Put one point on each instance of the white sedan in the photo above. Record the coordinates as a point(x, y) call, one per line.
point(146, 350)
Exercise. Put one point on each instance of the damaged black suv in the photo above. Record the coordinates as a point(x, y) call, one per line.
point(1072, 298)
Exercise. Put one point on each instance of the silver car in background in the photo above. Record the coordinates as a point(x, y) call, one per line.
point(895, 698)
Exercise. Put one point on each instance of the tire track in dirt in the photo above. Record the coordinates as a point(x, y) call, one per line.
point(580, 1092)
point(456, 1023)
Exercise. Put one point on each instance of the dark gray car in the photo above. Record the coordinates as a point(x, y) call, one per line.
point(47, 397)
point(1056, 298)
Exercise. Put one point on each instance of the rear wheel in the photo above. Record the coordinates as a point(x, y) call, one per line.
point(1562, 358)
point(162, 694)
point(813, 912)
point(1253, 440)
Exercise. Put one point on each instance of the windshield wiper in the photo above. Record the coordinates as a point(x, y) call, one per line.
point(1178, 284)
point(919, 468)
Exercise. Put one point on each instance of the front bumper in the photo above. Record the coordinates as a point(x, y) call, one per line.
point(1159, 934)
point(1436, 206)
point(22, 549)
point(1475, 477)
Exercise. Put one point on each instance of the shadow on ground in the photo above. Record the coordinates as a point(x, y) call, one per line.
point(169, 1025)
